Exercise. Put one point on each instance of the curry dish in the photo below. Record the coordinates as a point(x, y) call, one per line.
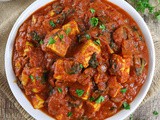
point(80, 59)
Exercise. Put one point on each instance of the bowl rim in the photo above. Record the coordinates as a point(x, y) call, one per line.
point(37, 114)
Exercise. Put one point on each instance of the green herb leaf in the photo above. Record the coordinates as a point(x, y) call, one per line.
point(81, 66)
point(69, 114)
point(123, 90)
point(68, 31)
point(59, 90)
point(155, 113)
point(35, 36)
point(157, 15)
point(102, 27)
point(126, 106)
point(142, 5)
point(31, 77)
point(140, 70)
point(79, 92)
point(135, 28)
point(61, 37)
point(91, 99)
point(100, 99)
point(74, 69)
point(52, 23)
point(93, 62)
point(88, 36)
point(44, 78)
point(97, 42)
point(51, 41)
point(41, 42)
point(94, 21)
point(92, 10)
point(131, 117)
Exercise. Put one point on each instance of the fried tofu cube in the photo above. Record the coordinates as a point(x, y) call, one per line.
point(34, 20)
point(93, 107)
point(114, 87)
point(120, 67)
point(58, 43)
point(71, 28)
point(37, 102)
point(28, 47)
point(85, 53)
point(24, 78)
point(87, 91)
point(37, 79)
point(59, 117)
point(62, 70)
point(51, 13)
point(81, 91)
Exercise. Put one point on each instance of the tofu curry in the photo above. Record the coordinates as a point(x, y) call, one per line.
point(80, 59)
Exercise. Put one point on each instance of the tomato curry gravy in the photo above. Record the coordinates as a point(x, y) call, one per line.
point(80, 59)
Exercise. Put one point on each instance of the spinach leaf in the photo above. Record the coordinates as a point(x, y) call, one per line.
point(93, 61)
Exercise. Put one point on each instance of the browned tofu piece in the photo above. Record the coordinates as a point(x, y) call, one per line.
point(81, 91)
point(37, 101)
point(33, 80)
point(24, 78)
point(84, 54)
point(71, 28)
point(28, 47)
point(58, 42)
point(120, 67)
point(66, 70)
point(92, 106)
point(114, 87)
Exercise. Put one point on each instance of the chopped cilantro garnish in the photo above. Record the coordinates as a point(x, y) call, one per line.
point(123, 90)
point(92, 10)
point(91, 99)
point(52, 23)
point(126, 106)
point(94, 21)
point(68, 31)
point(44, 78)
point(131, 117)
point(79, 92)
point(69, 114)
point(61, 37)
point(31, 77)
point(102, 27)
point(88, 36)
point(97, 42)
point(157, 15)
point(155, 113)
point(81, 66)
point(100, 99)
point(36, 36)
point(143, 5)
point(51, 41)
point(93, 62)
point(41, 42)
point(59, 90)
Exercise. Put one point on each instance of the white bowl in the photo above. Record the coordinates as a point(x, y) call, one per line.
point(37, 114)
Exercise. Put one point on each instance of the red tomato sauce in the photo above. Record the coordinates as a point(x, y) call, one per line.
point(80, 59)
